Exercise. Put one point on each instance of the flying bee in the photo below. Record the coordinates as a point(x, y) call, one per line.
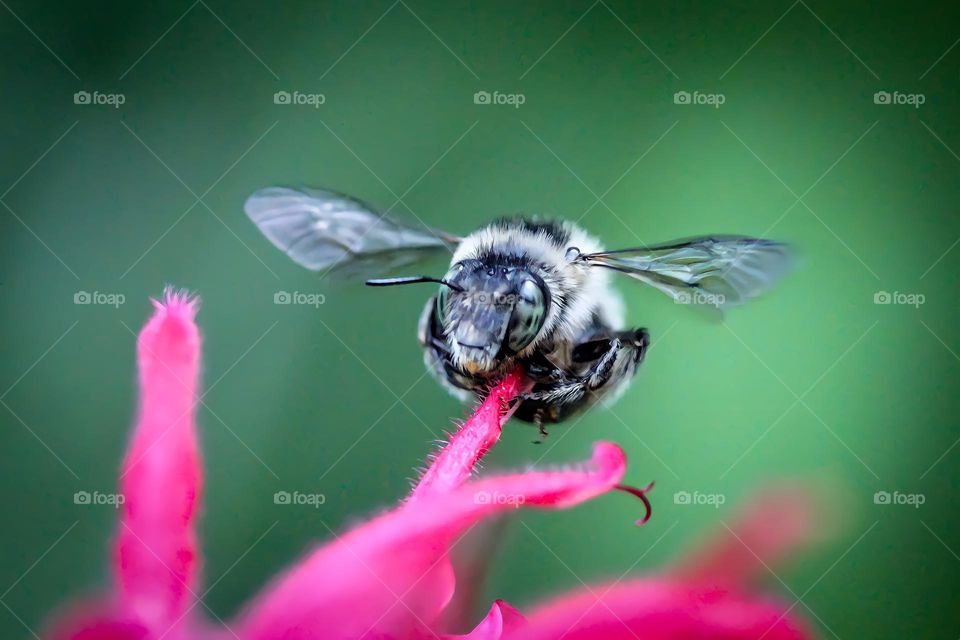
point(519, 292)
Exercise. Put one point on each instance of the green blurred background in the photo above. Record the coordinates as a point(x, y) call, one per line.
point(814, 381)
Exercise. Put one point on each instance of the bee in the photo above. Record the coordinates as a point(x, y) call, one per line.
point(519, 291)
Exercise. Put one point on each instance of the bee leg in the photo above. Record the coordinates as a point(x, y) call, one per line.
point(610, 361)
point(542, 370)
point(555, 392)
point(639, 340)
point(549, 378)
point(602, 369)
point(538, 421)
point(623, 356)
point(567, 390)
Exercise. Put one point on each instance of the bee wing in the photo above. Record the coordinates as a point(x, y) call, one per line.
point(324, 230)
point(719, 271)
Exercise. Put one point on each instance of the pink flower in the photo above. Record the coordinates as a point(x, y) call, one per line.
point(392, 576)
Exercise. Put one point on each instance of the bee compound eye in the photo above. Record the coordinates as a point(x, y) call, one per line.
point(440, 309)
point(531, 294)
point(528, 316)
point(443, 295)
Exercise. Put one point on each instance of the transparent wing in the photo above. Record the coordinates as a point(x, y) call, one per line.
point(717, 271)
point(323, 230)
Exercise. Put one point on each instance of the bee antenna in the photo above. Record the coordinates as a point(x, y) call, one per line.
point(390, 282)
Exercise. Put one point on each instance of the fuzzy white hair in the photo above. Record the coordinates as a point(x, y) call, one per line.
point(577, 291)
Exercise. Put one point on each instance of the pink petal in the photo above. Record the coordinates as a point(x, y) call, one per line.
point(156, 549)
point(766, 530)
point(98, 620)
point(392, 577)
point(94, 620)
point(453, 465)
point(473, 558)
point(499, 621)
point(105, 629)
point(703, 597)
point(659, 610)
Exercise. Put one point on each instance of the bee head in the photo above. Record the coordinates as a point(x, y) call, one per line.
point(490, 311)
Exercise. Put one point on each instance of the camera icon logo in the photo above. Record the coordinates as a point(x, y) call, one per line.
point(481, 97)
point(281, 497)
point(481, 497)
point(82, 297)
point(881, 97)
point(681, 497)
point(81, 97)
point(81, 497)
point(282, 297)
point(881, 497)
point(683, 297)
point(281, 97)
point(882, 297)
point(681, 97)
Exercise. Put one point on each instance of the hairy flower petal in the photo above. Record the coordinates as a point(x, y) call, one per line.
point(453, 465)
point(392, 576)
point(156, 550)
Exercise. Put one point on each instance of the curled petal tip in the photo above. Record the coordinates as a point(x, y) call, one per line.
point(499, 621)
point(560, 488)
point(642, 494)
point(610, 461)
point(608, 458)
